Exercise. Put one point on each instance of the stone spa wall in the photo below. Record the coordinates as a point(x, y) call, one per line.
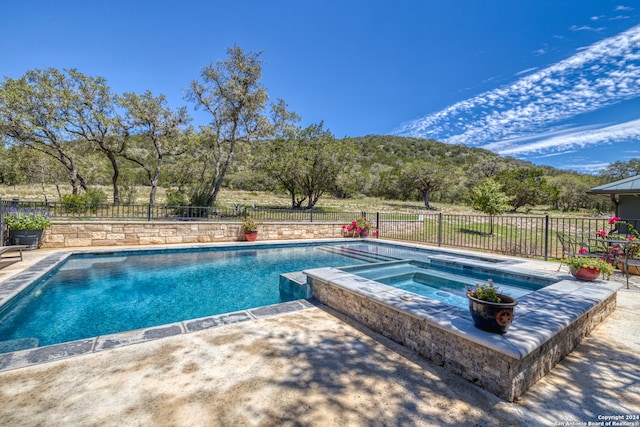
point(548, 325)
point(119, 233)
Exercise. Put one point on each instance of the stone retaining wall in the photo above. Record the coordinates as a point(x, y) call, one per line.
point(119, 233)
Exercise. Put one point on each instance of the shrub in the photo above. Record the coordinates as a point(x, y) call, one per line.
point(176, 198)
point(487, 292)
point(28, 219)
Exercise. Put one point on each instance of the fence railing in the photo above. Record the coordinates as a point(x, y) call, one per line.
point(526, 236)
point(85, 211)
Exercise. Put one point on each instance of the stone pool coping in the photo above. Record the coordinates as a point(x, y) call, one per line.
point(548, 324)
point(50, 353)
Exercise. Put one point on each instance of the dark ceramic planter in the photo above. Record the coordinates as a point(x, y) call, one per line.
point(31, 238)
point(492, 316)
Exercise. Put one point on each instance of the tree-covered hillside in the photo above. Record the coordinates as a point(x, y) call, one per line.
point(63, 127)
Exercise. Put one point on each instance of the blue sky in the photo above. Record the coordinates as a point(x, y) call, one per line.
point(553, 82)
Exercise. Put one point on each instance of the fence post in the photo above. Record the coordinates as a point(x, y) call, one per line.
point(311, 215)
point(149, 212)
point(439, 229)
point(546, 237)
point(1, 223)
point(377, 225)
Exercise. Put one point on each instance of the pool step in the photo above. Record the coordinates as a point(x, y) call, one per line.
point(356, 254)
point(382, 273)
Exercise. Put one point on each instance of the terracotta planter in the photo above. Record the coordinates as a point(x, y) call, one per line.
point(634, 269)
point(492, 316)
point(587, 274)
point(250, 236)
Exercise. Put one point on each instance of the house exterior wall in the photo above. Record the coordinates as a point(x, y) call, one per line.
point(629, 207)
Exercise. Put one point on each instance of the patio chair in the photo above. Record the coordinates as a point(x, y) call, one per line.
point(571, 245)
point(10, 249)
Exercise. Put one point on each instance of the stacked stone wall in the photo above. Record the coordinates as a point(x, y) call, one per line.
point(119, 233)
point(505, 376)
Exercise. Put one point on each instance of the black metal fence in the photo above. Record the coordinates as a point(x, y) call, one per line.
point(526, 236)
point(85, 211)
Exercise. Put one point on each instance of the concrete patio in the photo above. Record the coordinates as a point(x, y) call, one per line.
point(315, 367)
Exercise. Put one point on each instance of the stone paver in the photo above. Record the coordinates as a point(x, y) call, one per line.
point(315, 367)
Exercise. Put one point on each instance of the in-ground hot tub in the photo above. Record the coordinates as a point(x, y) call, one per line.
point(550, 320)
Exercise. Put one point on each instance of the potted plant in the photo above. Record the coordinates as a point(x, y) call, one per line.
point(588, 268)
point(359, 227)
point(26, 226)
point(625, 255)
point(250, 228)
point(491, 311)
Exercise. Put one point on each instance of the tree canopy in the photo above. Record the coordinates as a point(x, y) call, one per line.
point(61, 125)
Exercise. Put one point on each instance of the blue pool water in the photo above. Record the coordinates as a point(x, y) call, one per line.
point(93, 295)
point(448, 282)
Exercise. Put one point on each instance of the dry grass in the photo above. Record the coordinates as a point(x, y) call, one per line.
point(231, 198)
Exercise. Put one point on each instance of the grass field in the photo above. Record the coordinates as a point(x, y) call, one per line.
point(231, 198)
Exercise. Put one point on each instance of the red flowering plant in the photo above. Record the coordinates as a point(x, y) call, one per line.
point(359, 227)
point(615, 251)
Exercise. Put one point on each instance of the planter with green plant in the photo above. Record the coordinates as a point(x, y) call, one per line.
point(250, 229)
point(588, 268)
point(491, 311)
point(26, 226)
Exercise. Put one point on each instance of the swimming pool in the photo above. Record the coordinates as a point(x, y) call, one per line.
point(549, 322)
point(96, 294)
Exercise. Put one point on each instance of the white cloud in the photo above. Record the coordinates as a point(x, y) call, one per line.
point(570, 139)
point(586, 167)
point(625, 8)
point(585, 28)
point(600, 75)
point(528, 70)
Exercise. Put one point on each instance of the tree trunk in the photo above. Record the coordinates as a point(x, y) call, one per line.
point(114, 177)
point(425, 197)
point(154, 186)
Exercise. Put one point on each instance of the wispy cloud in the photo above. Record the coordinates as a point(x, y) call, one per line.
point(625, 8)
point(585, 28)
point(528, 70)
point(586, 167)
point(600, 75)
point(568, 139)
